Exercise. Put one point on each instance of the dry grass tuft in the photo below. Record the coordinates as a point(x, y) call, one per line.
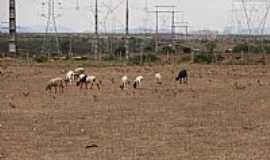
point(239, 86)
point(12, 105)
point(26, 93)
point(95, 98)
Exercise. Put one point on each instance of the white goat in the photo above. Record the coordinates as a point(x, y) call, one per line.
point(138, 82)
point(70, 77)
point(78, 71)
point(158, 78)
point(55, 83)
point(125, 82)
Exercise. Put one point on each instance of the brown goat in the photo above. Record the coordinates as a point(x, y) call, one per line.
point(56, 83)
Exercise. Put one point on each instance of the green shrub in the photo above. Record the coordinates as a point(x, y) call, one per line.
point(167, 49)
point(240, 48)
point(3, 45)
point(203, 58)
point(109, 57)
point(250, 48)
point(211, 46)
point(184, 58)
point(40, 59)
point(136, 60)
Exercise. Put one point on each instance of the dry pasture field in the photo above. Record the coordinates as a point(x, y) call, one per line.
point(222, 113)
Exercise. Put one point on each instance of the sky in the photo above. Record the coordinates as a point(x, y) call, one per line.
point(201, 14)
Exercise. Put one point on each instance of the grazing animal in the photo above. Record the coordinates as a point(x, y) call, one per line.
point(182, 76)
point(55, 83)
point(70, 77)
point(158, 78)
point(138, 82)
point(78, 72)
point(125, 82)
point(84, 79)
point(81, 80)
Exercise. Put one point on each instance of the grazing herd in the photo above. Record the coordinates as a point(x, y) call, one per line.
point(81, 79)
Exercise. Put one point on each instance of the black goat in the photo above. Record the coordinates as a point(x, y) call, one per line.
point(182, 76)
point(81, 80)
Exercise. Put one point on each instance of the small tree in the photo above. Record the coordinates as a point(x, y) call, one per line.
point(211, 46)
point(211, 49)
point(168, 50)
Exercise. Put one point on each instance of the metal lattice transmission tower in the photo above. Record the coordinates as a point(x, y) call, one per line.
point(51, 31)
point(250, 17)
point(161, 9)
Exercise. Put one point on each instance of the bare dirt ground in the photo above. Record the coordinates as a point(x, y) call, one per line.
point(223, 113)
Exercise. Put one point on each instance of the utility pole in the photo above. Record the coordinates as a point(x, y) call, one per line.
point(70, 52)
point(97, 56)
point(143, 43)
point(173, 24)
point(156, 36)
point(12, 27)
point(186, 36)
point(127, 31)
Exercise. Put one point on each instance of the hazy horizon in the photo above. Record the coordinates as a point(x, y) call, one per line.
point(212, 15)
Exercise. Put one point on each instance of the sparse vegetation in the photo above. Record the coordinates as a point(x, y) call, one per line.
point(212, 115)
point(40, 59)
point(148, 58)
point(251, 48)
point(205, 58)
